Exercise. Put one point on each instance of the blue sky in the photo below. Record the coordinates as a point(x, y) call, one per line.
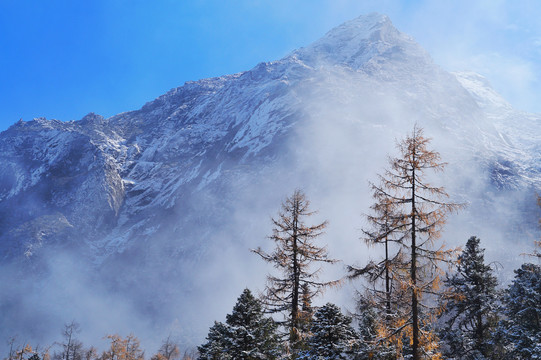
point(64, 59)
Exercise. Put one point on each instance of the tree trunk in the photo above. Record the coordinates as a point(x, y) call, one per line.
point(387, 281)
point(479, 331)
point(295, 295)
point(414, 300)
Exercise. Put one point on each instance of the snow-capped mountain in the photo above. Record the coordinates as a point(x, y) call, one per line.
point(193, 176)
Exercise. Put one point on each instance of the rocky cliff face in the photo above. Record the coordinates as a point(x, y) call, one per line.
point(152, 193)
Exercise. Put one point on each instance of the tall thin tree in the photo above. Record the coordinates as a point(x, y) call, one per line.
point(294, 256)
point(72, 348)
point(385, 225)
point(384, 293)
point(420, 211)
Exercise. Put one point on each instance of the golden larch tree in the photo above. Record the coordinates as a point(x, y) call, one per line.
point(417, 212)
point(294, 256)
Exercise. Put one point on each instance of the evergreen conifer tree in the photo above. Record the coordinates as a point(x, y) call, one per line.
point(470, 306)
point(332, 335)
point(218, 343)
point(520, 332)
point(246, 335)
point(372, 345)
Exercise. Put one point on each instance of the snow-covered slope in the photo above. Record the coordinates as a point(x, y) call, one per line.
point(519, 131)
point(192, 177)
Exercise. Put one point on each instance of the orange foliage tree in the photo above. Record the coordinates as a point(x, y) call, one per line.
point(123, 349)
point(411, 212)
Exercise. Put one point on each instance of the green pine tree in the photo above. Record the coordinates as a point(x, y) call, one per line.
point(520, 332)
point(470, 306)
point(218, 344)
point(372, 346)
point(333, 337)
point(246, 335)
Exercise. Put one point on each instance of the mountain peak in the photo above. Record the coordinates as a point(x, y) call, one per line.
point(357, 41)
point(366, 25)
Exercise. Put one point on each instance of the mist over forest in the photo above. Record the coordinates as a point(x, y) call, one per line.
point(142, 224)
